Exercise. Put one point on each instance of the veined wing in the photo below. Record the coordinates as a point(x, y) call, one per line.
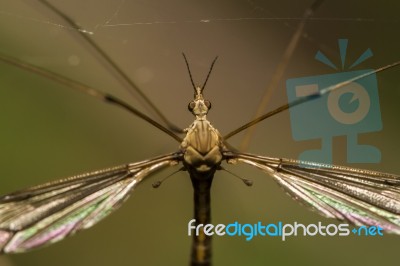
point(361, 197)
point(48, 213)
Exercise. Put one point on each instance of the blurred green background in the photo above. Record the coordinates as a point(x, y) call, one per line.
point(49, 132)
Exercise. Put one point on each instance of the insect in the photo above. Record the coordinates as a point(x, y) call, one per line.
point(253, 159)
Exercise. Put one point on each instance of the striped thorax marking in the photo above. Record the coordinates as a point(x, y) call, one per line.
point(202, 147)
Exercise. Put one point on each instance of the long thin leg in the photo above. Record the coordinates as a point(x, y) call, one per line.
point(87, 90)
point(132, 88)
point(280, 70)
point(308, 98)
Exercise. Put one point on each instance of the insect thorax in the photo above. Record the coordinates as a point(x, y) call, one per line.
point(202, 147)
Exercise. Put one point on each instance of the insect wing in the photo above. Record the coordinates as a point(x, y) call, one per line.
point(361, 197)
point(48, 213)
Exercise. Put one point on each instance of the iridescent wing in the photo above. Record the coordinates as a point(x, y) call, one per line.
point(48, 213)
point(358, 196)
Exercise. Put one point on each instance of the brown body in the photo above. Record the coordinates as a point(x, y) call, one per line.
point(202, 155)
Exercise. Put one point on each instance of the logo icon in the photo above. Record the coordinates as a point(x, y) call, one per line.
point(349, 111)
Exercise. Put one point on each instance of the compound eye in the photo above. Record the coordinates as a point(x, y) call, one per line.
point(191, 106)
point(208, 104)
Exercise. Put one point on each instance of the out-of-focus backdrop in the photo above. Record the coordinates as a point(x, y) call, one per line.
point(48, 131)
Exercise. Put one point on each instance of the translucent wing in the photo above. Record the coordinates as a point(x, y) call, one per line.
point(48, 213)
point(361, 197)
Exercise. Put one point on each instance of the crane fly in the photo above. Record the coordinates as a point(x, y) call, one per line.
point(48, 213)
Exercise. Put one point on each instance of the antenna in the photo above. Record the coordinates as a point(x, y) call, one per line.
point(190, 74)
point(209, 72)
